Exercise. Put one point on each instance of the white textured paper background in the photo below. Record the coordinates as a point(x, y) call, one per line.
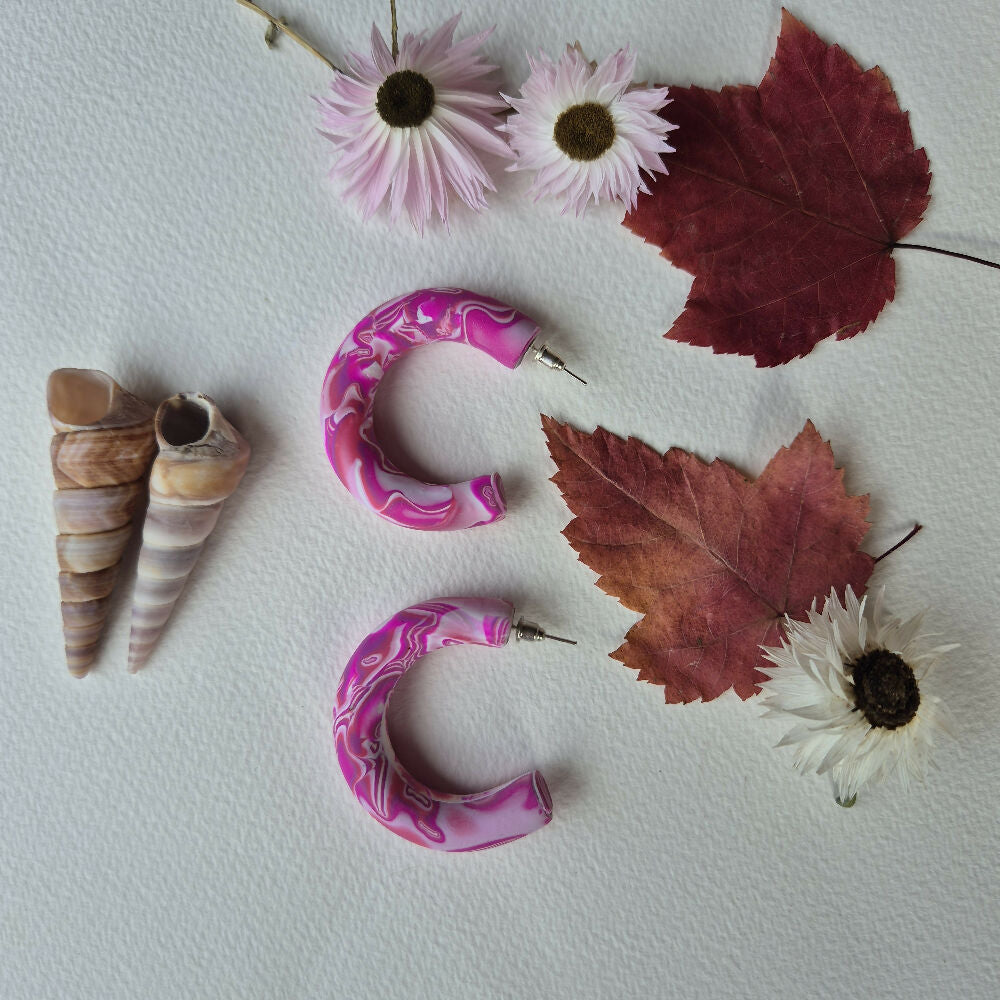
point(164, 215)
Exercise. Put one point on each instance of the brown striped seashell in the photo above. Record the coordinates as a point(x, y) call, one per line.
point(201, 462)
point(100, 453)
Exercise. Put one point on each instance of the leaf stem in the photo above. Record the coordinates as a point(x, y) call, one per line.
point(293, 35)
point(902, 541)
point(395, 30)
point(947, 253)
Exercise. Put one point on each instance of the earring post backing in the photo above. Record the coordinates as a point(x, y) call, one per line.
point(533, 632)
point(551, 360)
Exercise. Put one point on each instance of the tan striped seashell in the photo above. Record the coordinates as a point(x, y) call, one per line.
point(100, 453)
point(201, 462)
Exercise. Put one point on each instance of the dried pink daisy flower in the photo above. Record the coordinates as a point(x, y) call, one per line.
point(413, 126)
point(586, 131)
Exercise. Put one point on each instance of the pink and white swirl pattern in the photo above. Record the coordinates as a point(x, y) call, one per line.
point(400, 802)
point(377, 342)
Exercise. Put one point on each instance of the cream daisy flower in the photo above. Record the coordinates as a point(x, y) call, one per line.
point(586, 131)
point(412, 128)
point(854, 682)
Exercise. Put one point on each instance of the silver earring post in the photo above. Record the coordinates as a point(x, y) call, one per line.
point(533, 632)
point(550, 360)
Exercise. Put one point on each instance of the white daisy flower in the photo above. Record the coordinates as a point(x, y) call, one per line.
point(854, 682)
point(587, 131)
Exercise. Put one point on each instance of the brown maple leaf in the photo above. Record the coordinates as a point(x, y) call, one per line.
point(785, 201)
point(712, 560)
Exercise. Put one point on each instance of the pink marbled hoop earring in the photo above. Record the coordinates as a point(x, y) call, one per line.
point(379, 341)
point(401, 803)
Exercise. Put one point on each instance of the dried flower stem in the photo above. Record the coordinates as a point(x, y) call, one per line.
point(395, 30)
point(293, 35)
point(902, 541)
point(947, 253)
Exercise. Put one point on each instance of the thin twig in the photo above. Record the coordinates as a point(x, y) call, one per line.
point(293, 35)
point(902, 541)
point(947, 253)
point(395, 31)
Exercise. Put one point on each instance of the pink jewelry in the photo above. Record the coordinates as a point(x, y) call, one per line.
point(400, 802)
point(376, 343)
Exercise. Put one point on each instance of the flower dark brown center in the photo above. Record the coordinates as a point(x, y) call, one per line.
point(405, 99)
point(584, 131)
point(885, 688)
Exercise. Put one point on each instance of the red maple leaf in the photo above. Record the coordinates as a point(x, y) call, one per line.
point(785, 201)
point(712, 560)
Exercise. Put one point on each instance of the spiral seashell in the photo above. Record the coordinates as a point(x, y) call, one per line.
point(100, 452)
point(201, 462)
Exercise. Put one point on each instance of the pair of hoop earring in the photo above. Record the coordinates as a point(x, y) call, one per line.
point(383, 786)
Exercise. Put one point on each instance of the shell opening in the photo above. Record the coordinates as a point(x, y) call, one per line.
point(183, 421)
point(79, 397)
